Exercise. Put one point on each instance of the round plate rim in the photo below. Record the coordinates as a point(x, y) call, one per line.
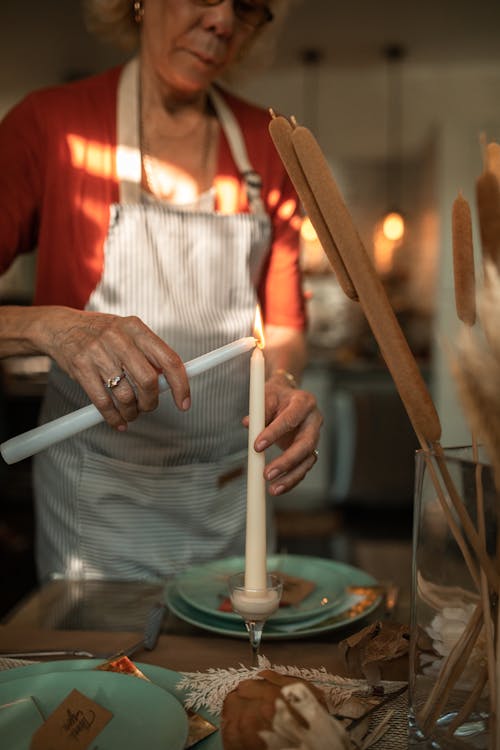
point(172, 599)
point(283, 615)
point(103, 677)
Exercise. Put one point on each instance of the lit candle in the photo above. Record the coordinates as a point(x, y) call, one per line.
point(48, 434)
point(255, 549)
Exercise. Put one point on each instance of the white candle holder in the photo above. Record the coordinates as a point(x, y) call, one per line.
point(255, 606)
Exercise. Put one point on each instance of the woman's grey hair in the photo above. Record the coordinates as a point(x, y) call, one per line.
point(113, 21)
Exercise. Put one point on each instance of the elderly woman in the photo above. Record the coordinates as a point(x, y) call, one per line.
point(162, 216)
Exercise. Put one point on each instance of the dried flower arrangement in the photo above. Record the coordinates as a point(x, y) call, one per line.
point(311, 175)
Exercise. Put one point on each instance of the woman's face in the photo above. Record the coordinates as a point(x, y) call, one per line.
point(188, 44)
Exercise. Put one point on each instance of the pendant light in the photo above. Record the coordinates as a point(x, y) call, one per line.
point(393, 223)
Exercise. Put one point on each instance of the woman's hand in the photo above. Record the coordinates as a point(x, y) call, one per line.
point(96, 347)
point(293, 423)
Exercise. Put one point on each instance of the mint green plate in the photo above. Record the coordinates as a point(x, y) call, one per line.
point(277, 631)
point(162, 678)
point(18, 720)
point(144, 715)
point(203, 587)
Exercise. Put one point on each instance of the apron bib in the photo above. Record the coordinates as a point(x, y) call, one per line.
point(171, 491)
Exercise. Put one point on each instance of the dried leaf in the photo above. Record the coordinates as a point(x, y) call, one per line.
point(368, 650)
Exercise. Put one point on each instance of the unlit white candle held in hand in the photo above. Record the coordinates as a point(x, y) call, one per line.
point(255, 548)
point(48, 434)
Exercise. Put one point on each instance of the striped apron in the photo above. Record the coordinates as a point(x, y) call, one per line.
point(171, 490)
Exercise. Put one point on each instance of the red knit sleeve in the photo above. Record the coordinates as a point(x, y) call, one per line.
point(280, 292)
point(21, 157)
point(57, 182)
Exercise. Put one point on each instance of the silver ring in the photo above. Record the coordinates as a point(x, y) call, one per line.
point(113, 382)
point(316, 453)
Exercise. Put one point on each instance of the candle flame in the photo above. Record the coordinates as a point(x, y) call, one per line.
point(258, 329)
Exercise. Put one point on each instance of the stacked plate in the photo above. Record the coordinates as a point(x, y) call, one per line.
point(197, 594)
point(147, 714)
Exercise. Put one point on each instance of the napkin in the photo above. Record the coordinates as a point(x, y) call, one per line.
point(249, 709)
point(300, 721)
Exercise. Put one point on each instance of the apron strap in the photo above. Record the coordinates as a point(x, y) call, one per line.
point(128, 143)
point(232, 130)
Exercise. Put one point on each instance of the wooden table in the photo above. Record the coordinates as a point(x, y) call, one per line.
point(104, 617)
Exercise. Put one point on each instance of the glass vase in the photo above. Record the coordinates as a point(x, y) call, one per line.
point(454, 601)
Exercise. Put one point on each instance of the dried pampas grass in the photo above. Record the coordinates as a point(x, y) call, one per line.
point(476, 370)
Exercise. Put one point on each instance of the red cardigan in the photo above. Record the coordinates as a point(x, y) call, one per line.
point(58, 180)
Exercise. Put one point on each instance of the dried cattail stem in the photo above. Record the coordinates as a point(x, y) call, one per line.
point(469, 704)
point(463, 261)
point(470, 532)
point(281, 133)
point(372, 296)
point(489, 629)
point(492, 156)
point(451, 669)
point(488, 207)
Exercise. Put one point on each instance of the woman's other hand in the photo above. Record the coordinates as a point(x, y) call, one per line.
point(293, 423)
point(293, 420)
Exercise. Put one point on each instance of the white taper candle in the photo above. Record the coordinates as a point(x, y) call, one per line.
point(36, 440)
point(255, 549)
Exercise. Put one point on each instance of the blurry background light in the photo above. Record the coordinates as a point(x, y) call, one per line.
point(307, 230)
point(393, 226)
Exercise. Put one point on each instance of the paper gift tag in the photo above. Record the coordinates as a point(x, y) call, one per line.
point(73, 725)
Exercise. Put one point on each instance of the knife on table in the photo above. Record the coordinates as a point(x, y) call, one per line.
point(147, 642)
